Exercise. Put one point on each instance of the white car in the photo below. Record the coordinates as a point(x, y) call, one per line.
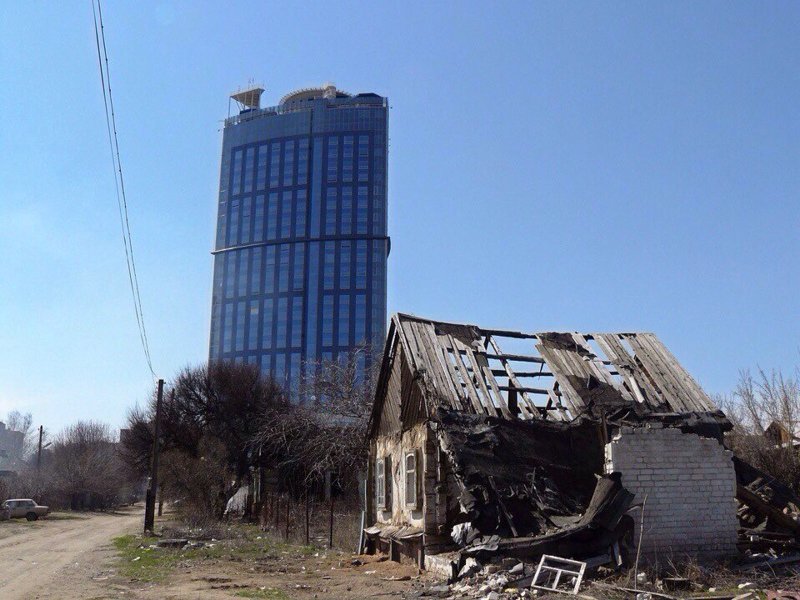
point(24, 507)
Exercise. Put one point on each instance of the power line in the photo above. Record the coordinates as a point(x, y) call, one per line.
point(119, 182)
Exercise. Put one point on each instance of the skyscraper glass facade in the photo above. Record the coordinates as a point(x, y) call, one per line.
point(301, 243)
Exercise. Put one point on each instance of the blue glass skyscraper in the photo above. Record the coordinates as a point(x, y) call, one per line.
point(301, 246)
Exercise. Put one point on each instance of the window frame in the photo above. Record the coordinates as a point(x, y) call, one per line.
point(380, 483)
point(414, 502)
point(383, 483)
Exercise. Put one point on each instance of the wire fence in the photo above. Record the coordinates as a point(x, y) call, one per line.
point(312, 521)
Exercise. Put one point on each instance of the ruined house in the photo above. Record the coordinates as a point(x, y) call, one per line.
point(546, 448)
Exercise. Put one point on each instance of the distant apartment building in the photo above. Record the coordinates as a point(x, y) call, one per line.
point(11, 448)
point(301, 243)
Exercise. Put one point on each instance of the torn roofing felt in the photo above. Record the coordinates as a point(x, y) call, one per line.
point(517, 477)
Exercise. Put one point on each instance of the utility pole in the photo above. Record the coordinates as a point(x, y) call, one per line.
point(150, 502)
point(39, 455)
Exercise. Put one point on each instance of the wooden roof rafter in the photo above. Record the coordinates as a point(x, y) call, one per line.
point(464, 368)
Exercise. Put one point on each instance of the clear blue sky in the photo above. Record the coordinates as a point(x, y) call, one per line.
point(589, 166)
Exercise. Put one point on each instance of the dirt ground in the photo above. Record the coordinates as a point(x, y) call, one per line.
point(62, 557)
point(104, 556)
point(252, 565)
point(327, 576)
point(76, 556)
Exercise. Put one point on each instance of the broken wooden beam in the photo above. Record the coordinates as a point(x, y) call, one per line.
point(514, 388)
point(757, 503)
point(502, 373)
point(517, 358)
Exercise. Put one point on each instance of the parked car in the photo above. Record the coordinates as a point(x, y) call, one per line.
point(24, 507)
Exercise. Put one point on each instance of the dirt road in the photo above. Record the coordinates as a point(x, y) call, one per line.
point(59, 558)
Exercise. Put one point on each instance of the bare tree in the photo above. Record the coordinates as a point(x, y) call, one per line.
point(84, 468)
point(212, 410)
point(765, 411)
point(326, 430)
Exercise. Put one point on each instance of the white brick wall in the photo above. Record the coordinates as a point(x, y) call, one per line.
point(690, 486)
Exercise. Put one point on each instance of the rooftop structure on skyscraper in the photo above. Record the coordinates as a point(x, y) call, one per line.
point(301, 247)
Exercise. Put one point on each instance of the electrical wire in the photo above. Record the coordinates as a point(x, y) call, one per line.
point(119, 182)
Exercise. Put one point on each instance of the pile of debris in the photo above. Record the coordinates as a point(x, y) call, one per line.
point(554, 577)
point(769, 514)
point(529, 489)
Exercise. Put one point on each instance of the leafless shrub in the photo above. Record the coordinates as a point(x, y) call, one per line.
point(81, 470)
point(765, 411)
point(198, 483)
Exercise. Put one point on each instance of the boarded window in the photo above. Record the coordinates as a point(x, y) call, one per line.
point(412, 479)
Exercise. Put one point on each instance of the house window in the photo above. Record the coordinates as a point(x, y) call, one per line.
point(383, 489)
point(412, 481)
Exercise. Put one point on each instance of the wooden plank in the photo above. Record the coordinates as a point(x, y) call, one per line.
point(692, 387)
point(527, 409)
point(755, 502)
point(572, 364)
point(456, 379)
point(514, 357)
point(555, 400)
point(614, 350)
point(682, 401)
point(480, 358)
point(560, 370)
point(480, 407)
point(409, 342)
point(683, 396)
point(675, 394)
point(437, 367)
point(660, 373)
point(512, 376)
point(581, 366)
point(509, 334)
point(528, 390)
point(422, 335)
point(523, 374)
point(597, 366)
point(482, 385)
point(653, 394)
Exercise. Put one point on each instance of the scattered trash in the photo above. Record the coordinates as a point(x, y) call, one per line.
point(471, 566)
point(749, 585)
point(172, 543)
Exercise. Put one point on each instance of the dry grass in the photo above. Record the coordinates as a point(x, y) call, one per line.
point(720, 576)
point(346, 524)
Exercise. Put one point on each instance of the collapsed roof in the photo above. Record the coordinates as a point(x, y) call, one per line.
point(524, 431)
point(555, 376)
